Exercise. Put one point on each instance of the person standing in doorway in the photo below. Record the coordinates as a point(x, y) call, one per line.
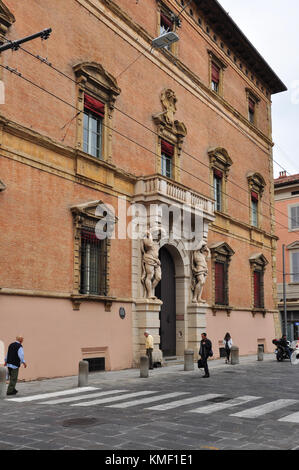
point(205, 352)
point(13, 361)
point(149, 346)
point(227, 342)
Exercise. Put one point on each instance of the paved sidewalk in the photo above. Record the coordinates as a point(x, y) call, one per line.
point(113, 378)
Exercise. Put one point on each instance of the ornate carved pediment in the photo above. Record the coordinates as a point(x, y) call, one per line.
point(256, 182)
point(258, 260)
point(222, 249)
point(166, 118)
point(97, 77)
point(93, 210)
point(6, 20)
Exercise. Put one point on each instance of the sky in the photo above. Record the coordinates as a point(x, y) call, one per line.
point(272, 27)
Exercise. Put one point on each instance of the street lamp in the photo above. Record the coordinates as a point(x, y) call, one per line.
point(165, 40)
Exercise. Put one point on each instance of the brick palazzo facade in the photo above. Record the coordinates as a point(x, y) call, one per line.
point(117, 122)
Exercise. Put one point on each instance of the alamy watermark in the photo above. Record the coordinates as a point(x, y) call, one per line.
point(178, 222)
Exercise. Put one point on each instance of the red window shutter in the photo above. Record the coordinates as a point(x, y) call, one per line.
point(218, 173)
point(89, 236)
point(254, 196)
point(215, 73)
point(257, 289)
point(219, 284)
point(251, 105)
point(165, 21)
point(93, 105)
point(167, 148)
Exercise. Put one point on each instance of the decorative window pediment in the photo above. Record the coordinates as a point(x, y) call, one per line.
point(258, 260)
point(256, 182)
point(221, 249)
point(220, 159)
point(293, 246)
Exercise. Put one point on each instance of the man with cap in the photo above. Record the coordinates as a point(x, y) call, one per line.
point(13, 361)
point(149, 346)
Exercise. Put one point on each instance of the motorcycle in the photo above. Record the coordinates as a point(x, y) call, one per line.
point(281, 352)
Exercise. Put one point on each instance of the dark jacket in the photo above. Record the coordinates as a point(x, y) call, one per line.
point(205, 348)
point(12, 354)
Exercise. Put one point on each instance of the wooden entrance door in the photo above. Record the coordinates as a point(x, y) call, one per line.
point(165, 291)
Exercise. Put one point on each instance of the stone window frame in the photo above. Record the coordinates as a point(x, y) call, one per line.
point(250, 95)
point(258, 263)
point(221, 252)
point(293, 248)
point(214, 59)
point(85, 215)
point(290, 206)
point(257, 184)
point(92, 79)
point(220, 160)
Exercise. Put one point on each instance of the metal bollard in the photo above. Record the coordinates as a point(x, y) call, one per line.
point(189, 359)
point(234, 354)
point(83, 373)
point(144, 364)
point(260, 352)
point(2, 382)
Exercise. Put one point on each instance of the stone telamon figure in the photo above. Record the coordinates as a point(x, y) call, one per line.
point(199, 268)
point(151, 265)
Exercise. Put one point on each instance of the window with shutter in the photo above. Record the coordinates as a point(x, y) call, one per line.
point(295, 267)
point(295, 217)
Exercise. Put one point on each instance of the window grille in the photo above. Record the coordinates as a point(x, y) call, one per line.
point(93, 263)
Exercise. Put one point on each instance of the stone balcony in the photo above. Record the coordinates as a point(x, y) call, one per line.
point(157, 189)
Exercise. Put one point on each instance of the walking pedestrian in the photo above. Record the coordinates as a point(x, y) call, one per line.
point(13, 361)
point(227, 342)
point(205, 352)
point(149, 346)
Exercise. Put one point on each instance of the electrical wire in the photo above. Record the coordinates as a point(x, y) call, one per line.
point(143, 125)
point(18, 74)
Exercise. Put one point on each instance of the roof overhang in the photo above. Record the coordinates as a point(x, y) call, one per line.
point(224, 25)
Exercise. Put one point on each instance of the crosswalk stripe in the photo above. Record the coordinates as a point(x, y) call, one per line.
point(53, 394)
point(147, 400)
point(81, 397)
point(222, 406)
point(264, 409)
point(184, 401)
point(111, 399)
point(293, 418)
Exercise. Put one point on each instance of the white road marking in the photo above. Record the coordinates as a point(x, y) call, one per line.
point(293, 418)
point(53, 394)
point(184, 401)
point(264, 409)
point(147, 400)
point(222, 406)
point(111, 399)
point(81, 397)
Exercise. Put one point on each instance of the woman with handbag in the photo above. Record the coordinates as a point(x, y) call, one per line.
point(227, 342)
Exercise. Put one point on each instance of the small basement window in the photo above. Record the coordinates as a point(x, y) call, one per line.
point(96, 364)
